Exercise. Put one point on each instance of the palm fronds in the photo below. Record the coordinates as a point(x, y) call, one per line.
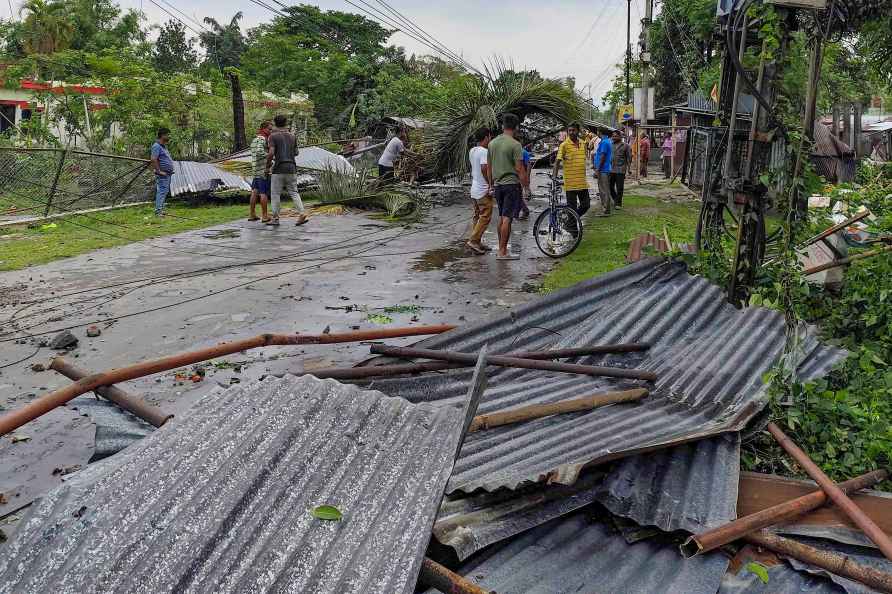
point(359, 188)
point(479, 101)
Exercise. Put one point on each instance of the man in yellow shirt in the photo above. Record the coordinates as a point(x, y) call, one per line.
point(572, 153)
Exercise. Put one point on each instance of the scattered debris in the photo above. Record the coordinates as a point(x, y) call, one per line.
point(93, 331)
point(63, 340)
point(20, 438)
point(38, 367)
point(327, 512)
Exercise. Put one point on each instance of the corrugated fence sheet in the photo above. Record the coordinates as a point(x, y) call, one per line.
point(709, 358)
point(220, 500)
point(575, 554)
point(191, 177)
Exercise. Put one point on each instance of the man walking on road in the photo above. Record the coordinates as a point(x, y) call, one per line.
point(282, 151)
point(509, 176)
point(622, 157)
point(162, 163)
point(603, 164)
point(260, 181)
point(572, 153)
point(481, 189)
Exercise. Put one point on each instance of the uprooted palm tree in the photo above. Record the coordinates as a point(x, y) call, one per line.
point(359, 188)
point(480, 101)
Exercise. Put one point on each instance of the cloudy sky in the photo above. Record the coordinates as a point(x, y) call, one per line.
point(583, 39)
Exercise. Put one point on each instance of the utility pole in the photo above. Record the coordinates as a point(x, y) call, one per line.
point(629, 52)
point(645, 76)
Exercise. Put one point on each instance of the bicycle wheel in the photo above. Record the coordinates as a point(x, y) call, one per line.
point(559, 233)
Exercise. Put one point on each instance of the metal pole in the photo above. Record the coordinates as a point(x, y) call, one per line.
point(49, 200)
point(133, 404)
point(629, 52)
point(42, 405)
point(870, 529)
point(777, 514)
point(436, 576)
point(517, 362)
point(832, 562)
point(846, 261)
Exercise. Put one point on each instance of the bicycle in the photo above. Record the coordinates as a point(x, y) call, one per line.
point(558, 229)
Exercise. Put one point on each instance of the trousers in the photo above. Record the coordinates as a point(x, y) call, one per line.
point(288, 183)
point(482, 217)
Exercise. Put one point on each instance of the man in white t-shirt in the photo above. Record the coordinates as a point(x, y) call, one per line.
point(392, 152)
point(481, 190)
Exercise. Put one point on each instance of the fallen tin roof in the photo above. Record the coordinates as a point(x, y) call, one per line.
point(575, 554)
point(191, 177)
point(220, 499)
point(690, 487)
point(861, 555)
point(709, 358)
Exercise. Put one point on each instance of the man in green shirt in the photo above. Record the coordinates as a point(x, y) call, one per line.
point(509, 176)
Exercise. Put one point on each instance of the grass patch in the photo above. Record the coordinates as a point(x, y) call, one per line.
point(606, 241)
point(21, 246)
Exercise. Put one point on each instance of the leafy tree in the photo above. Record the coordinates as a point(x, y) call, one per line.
point(101, 25)
point(223, 45)
point(174, 51)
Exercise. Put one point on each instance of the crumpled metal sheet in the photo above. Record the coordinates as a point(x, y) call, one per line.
point(710, 359)
point(191, 177)
point(47, 449)
point(219, 500)
point(116, 428)
point(574, 554)
point(690, 487)
point(469, 524)
point(781, 580)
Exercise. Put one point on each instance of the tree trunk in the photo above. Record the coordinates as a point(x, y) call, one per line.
point(238, 113)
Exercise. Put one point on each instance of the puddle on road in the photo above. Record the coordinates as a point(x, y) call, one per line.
point(437, 259)
point(222, 234)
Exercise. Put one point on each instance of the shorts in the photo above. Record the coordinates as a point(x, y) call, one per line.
point(510, 200)
point(581, 196)
point(261, 184)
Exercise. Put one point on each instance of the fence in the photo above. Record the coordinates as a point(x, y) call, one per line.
point(42, 182)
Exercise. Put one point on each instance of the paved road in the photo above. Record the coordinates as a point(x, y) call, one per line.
point(332, 273)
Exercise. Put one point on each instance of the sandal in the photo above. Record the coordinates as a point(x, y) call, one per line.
point(302, 221)
point(252, 219)
point(265, 221)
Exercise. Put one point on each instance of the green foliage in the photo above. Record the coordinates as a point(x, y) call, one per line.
point(223, 44)
point(174, 51)
point(759, 570)
point(327, 512)
point(359, 188)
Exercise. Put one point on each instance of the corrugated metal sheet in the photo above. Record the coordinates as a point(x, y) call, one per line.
point(781, 580)
point(314, 158)
point(689, 487)
point(709, 357)
point(220, 499)
point(413, 123)
point(197, 178)
point(469, 524)
point(862, 555)
point(115, 428)
point(639, 245)
point(576, 555)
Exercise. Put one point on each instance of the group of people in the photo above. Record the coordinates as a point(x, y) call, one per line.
point(611, 160)
point(273, 171)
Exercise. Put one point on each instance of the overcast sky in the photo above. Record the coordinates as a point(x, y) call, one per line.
point(583, 39)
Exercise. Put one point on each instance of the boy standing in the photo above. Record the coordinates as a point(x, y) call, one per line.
point(481, 189)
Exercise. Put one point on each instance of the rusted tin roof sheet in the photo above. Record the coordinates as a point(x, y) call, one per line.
point(782, 579)
point(220, 500)
point(576, 554)
point(639, 247)
point(709, 357)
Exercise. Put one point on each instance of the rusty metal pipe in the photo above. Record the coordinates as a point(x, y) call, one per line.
point(846, 261)
point(503, 361)
point(870, 529)
point(15, 419)
point(837, 227)
point(133, 404)
point(833, 562)
point(784, 512)
point(436, 576)
point(600, 349)
point(538, 411)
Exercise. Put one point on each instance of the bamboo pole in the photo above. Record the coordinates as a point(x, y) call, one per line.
point(833, 562)
point(847, 261)
point(538, 411)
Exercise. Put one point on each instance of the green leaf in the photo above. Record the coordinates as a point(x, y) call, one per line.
point(759, 570)
point(380, 319)
point(327, 512)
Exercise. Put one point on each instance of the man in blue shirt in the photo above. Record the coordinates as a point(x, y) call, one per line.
point(162, 163)
point(603, 162)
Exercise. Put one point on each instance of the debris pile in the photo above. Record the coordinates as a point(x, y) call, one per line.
point(589, 441)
